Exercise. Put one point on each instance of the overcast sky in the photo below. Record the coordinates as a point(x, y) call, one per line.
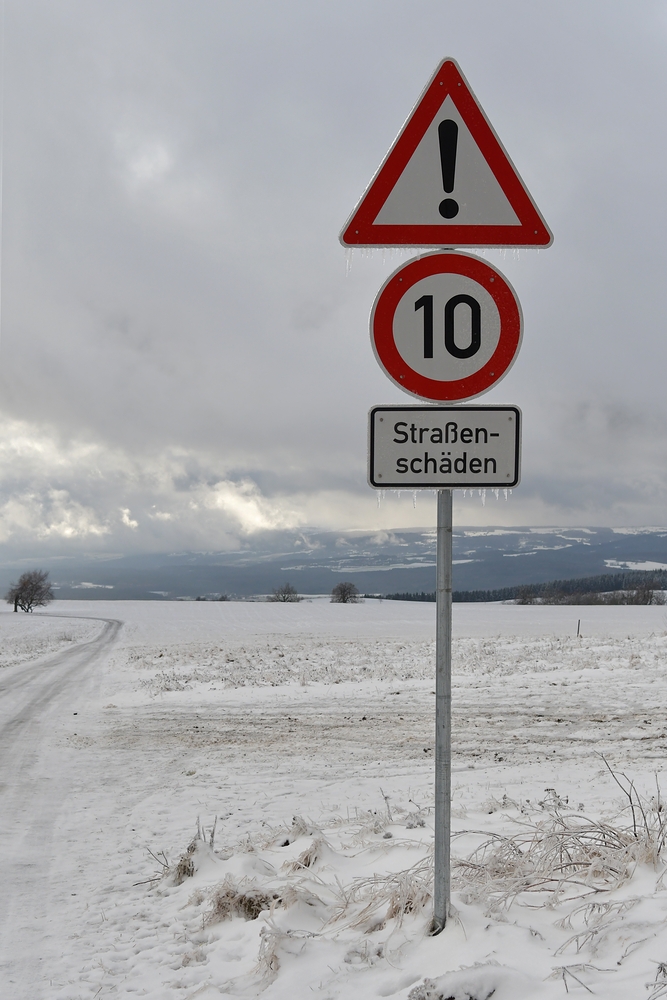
point(184, 357)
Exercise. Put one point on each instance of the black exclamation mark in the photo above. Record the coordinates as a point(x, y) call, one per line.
point(448, 134)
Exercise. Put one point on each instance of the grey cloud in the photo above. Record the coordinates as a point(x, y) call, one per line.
point(176, 313)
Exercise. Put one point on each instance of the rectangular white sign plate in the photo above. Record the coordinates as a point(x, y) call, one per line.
point(444, 447)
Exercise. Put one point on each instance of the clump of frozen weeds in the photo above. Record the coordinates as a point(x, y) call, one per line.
point(565, 856)
point(312, 854)
point(658, 987)
point(370, 903)
point(299, 828)
point(186, 865)
point(308, 889)
point(445, 988)
point(245, 899)
point(559, 856)
point(479, 982)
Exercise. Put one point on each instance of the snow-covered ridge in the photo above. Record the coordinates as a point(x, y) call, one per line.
point(385, 561)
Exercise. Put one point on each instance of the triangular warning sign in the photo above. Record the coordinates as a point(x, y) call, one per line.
point(447, 181)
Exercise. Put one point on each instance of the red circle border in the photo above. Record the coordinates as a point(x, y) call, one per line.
point(382, 331)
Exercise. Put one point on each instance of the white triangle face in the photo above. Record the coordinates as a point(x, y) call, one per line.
point(418, 192)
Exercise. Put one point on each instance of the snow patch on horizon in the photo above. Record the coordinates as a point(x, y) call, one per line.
point(646, 565)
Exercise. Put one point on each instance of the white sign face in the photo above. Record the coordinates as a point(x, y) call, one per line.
point(420, 328)
point(444, 447)
point(418, 193)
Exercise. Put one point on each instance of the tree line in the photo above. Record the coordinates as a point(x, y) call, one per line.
point(33, 590)
point(629, 587)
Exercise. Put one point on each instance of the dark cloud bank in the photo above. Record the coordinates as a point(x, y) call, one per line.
point(184, 359)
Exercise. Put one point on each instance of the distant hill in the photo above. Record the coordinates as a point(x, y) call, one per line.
point(376, 561)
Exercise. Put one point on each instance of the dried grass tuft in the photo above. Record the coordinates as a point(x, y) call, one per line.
point(268, 960)
point(299, 829)
point(478, 982)
point(658, 987)
point(244, 899)
point(185, 866)
point(387, 897)
point(575, 972)
point(309, 857)
point(414, 821)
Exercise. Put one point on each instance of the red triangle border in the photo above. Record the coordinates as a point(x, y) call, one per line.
point(361, 230)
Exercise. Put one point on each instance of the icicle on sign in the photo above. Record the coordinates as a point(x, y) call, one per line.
point(447, 181)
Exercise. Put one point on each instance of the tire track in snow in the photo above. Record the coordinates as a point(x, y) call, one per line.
point(395, 727)
point(36, 775)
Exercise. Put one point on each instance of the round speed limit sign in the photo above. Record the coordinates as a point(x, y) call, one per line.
point(446, 326)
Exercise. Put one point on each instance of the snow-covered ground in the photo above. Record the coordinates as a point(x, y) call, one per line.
point(307, 731)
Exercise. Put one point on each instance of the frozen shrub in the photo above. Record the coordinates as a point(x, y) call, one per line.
point(242, 900)
point(284, 595)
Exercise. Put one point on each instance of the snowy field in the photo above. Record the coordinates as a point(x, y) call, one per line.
point(235, 800)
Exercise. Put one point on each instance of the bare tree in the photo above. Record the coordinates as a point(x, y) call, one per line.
point(285, 594)
point(345, 593)
point(33, 590)
point(525, 595)
point(648, 592)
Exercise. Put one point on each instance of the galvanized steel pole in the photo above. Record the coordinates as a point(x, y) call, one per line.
point(443, 712)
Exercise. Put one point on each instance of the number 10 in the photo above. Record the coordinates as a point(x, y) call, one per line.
point(426, 303)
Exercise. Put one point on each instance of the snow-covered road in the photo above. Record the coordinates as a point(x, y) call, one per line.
point(36, 779)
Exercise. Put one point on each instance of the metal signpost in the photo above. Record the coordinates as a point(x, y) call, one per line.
point(445, 327)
